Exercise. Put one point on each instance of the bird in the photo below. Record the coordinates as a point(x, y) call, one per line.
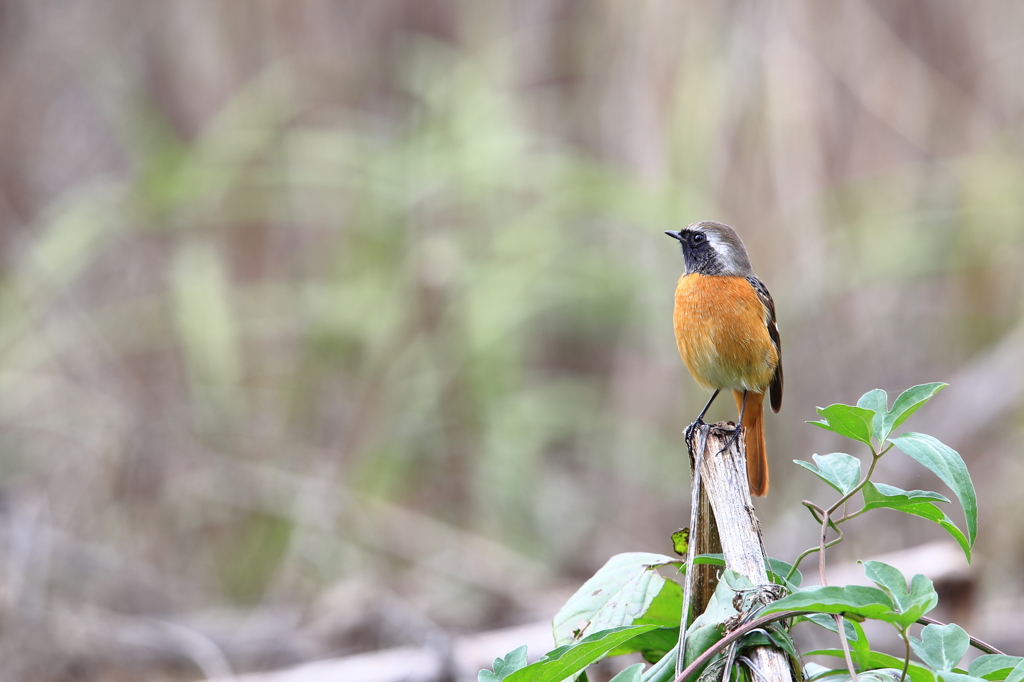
point(726, 331)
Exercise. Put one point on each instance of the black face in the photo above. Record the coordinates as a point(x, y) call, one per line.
point(698, 253)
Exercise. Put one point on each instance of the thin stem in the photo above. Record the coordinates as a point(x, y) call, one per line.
point(906, 654)
point(846, 647)
point(812, 550)
point(826, 513)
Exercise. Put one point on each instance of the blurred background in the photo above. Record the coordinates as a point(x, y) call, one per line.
point(330, 327)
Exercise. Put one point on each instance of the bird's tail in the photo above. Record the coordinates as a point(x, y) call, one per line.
point(753, 437)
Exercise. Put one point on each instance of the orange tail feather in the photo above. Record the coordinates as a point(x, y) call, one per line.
point(753, 437)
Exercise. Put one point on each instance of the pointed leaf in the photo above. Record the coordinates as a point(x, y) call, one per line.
point(877, 495)
point(622, 591)
point(839, 470)
point(941, 646)
point(927, 510)
point(994, 666)
point(568, 660)
point(847, 420)
point(633, 673)
point(503, 667)
point(916, 502)
point(947, 464)
point(868, 602)
point(878, 402)
point(908, 403)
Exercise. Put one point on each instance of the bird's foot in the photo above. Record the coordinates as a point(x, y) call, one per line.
point(688, 433)
point(736, 430)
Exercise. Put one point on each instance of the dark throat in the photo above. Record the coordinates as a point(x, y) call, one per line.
point(702, 260)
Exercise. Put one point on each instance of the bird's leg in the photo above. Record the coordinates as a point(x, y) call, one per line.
point(739, 426)
point(700, 417)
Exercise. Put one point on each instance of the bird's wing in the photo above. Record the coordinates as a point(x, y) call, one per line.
point(773, 332)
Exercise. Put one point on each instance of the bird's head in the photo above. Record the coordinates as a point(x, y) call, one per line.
point(712, 248)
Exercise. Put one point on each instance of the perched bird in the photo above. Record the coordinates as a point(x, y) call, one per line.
point(725, 329)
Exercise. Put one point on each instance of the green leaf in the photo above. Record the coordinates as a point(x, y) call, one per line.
point(814, 671)
point(957, 677)
point(860, 648)
point(829, 623)
point(568, 660)
point(503, 667)
point(908, 403)
point(881, 675)
point(662, 671)
point(913, 603)
point(867, 602)
point(878, 402)
point(1017, 674)
point(916, 502)
point(665, 611)
point(781, 639)
point(622, 590)
point(878, 495)
point(875, 660)
point(839, 470)
point(681, 541)
point(708, 627)
point(927, 510)
point(847, 420)
point(941, 646)
point(633, 673)
point(947, 464)
point(994, 666)
point(651, 645)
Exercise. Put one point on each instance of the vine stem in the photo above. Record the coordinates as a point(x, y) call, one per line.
point(827, 513)
point(906, 654)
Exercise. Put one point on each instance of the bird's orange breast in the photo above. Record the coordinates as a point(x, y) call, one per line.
point(722, 333)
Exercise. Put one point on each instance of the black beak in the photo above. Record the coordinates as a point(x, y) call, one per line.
point(675, 235)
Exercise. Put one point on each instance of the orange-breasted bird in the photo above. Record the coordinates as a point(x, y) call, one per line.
point(726, 332)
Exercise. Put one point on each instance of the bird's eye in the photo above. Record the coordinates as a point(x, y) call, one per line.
point(699, 238)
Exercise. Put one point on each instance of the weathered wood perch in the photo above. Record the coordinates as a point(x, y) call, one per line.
point(723, 483)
